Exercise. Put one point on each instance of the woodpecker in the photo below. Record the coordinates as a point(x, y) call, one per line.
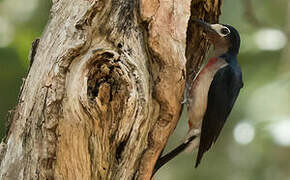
point(211, 96)
point(215, 89)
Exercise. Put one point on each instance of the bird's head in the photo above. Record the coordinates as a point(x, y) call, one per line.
point(224, 38)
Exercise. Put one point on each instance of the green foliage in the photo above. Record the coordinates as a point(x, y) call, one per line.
point(14, 56)
point(262, 158)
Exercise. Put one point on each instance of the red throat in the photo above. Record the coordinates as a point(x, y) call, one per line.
point(211, 61)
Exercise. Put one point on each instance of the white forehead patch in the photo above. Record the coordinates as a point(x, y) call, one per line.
point(221, 30)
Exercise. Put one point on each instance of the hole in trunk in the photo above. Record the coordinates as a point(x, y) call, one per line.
point(120, 149)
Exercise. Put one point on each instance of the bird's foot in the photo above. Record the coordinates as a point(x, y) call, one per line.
point(191, 133)
point(185, 101)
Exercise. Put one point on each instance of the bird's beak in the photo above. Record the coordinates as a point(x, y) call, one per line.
point(205, 25)
point(212, 35)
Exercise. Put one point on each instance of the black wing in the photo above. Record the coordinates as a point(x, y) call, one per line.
point(222, 95)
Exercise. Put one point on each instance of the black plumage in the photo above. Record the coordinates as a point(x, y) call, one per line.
point(222, 95)
point(221, 91)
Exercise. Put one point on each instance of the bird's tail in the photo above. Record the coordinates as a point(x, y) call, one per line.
point(172, 154)
point(193, 144)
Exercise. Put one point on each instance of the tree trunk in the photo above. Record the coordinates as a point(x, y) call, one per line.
point(104, 89)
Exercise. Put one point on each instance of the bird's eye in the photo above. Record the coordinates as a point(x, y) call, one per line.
point(225, 31)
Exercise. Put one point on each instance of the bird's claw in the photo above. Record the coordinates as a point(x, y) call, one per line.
point(185, 101)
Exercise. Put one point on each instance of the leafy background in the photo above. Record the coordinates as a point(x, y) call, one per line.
point(255, 143)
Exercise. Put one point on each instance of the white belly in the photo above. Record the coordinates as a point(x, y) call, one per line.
point(197, 102)
point(197, 99)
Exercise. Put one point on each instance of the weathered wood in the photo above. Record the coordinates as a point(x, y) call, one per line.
point(103, 93)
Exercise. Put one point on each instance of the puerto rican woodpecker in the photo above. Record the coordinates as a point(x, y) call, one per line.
point(213, 92)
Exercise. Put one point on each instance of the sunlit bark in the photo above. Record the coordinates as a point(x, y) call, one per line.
point(103, 93)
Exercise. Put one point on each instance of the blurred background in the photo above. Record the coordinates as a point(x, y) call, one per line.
point(254, 144)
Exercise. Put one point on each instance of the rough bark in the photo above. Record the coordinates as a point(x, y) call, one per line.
point(104, 89)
